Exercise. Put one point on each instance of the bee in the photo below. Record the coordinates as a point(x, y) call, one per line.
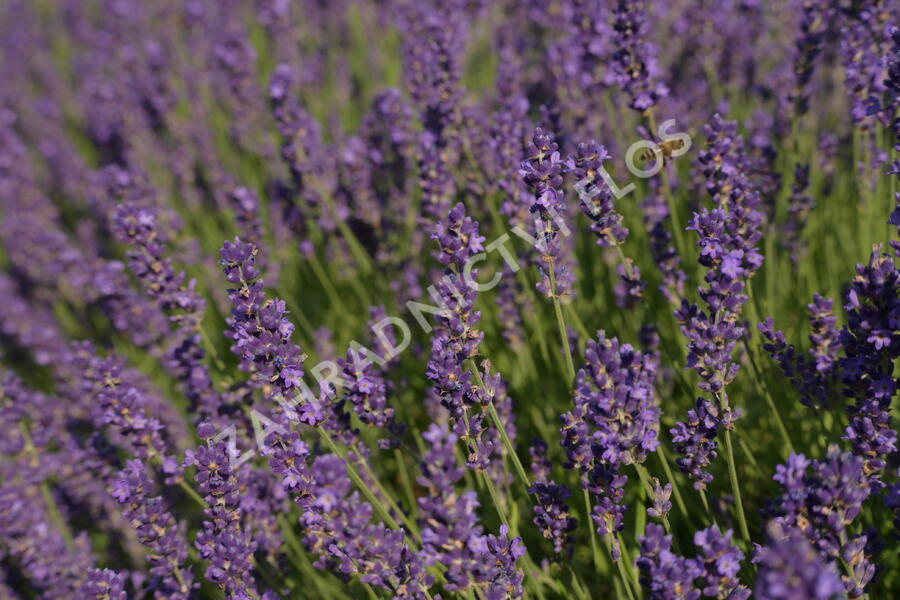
point(662, 149)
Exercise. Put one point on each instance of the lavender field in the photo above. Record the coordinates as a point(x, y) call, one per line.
point(438, 299)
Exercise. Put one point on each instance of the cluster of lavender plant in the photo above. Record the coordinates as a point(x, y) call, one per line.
point(428, 299)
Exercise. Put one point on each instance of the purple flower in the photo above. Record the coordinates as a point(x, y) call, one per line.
point(816, 16)
point(104, 584)
point(551, 512)
point(259, 326)
point(871, 344)
point(456, 337)
point(664, 574)
point(223, 542)
point(813, 377)
point(720, 561)
point(542, 173)
point(660, 496)
point(634, 59)
point(821, 499)
point(615, 423)
point(695, 440)
point(790, 569)
point(174, 295)
point(157, 529)
point(365, 388)
point(616, 386)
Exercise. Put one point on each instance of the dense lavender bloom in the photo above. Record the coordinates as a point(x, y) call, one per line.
point(815, 18)
point(695, 440)
point(720, 561)
point(597, 203)
point(259, 326)
point(597, 200)
point(222, 542)
point(434, 37)
point(825, 336)
point(664, 574)
point(615, 423)
point(812, 376)
point(634, 61)
point(138, 227)
point(311, 166)
point(502, 578)
point(338, 526)
point(450, 531)
point(157, 529)
point(551, 512)
point(616, 385)
point(456, 338)
point(365, 387)
point(728, 236)
point(862, 54)
point(451, 534)
point(104, 584)
point(117, 403)
point(713, 337)
point(821, 500)
point(31, 538)
point(871, 343)
point(247, 214)
point(791, 569)
point(542, 172)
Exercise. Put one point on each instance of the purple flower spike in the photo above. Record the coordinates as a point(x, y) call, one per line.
point(695, 440)
point(105, 584)
point(551, 513)
point(790, 569)
point(222, 542)
point(664, 574)
point(634, 60)
point(813, 377)
point(259, 326)
point(542, 173)
point(871, 343)
point(157, 529)
point(720, 561)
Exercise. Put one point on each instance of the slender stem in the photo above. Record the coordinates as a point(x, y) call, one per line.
point(626, 579)
point(389, 499)
point(190, 491)
point(504, 436)
point(705, 503)
point(590, 525)
point(327, 285)
point(495, 498)
point(735, 488)
point(628, 565)
point(561, 323)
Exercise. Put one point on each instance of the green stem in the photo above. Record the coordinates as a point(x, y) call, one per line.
point(735, 488)
point(590, 525)
point(626, 578)
point(498, 423)
point(561, 323)
point(327, 285)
